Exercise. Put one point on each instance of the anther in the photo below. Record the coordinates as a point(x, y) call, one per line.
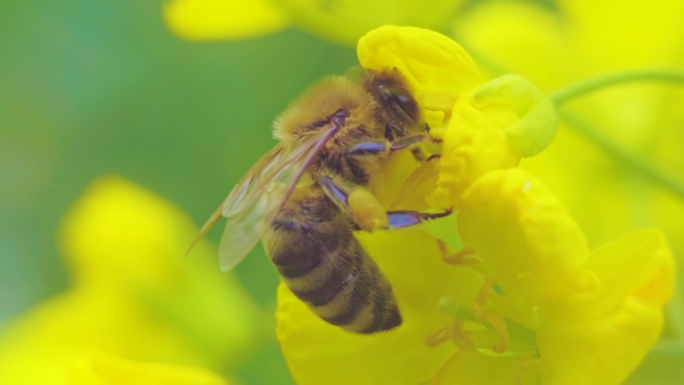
point(479, 306)
point(437, 338)
point(459, 258)
point(495, 320)
point(453, 331)
point(498, 323)
point(460, 337)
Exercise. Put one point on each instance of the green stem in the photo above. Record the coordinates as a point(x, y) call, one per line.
point(580, 89)
point(644, 166)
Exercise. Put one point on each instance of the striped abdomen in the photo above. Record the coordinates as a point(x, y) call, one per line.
point(313, 248)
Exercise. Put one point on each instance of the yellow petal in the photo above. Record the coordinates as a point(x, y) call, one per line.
point(552, 50)
point(118, 230)
point(319, 353)
point(537, 125)
point(124, 245)
point(474, 145)
point(223, 19)
point(102, 369)
point(39, 346)
point(523, 233)
point(473, 368)
point(431, 62)
point(344, 22)
point(600, 337)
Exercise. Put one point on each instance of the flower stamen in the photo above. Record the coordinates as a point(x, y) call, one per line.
point(437, 338)
point(498, 323)
point(495, 320)
point(482, 297)
point(455, 332)
point(459, 336)
point(459, 258)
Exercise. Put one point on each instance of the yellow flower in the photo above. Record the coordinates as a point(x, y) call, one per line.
point(583, 39)
point(485, 126)
point(102, 369)
point(590, 305)
point(524, 286)
point(133, 297)
point(218, 19)
point(340, 21)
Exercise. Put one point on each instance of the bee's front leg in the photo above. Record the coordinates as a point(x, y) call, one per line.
point(381, 147)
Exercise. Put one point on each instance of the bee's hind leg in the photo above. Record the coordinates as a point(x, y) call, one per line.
point(405, 218)
point(358, 201)
point(368, 213)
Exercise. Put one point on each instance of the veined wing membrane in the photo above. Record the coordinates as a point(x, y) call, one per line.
point(239, 197)
point(242, 194)
point(255, 202)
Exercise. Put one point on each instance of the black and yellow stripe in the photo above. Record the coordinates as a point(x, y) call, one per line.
point(316, 254)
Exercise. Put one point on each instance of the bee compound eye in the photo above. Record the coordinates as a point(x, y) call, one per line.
point(404, 100)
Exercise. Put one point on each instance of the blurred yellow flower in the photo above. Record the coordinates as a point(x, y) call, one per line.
point(133, 297)
point(524, 299)
point(339, 21)
point(102, 369)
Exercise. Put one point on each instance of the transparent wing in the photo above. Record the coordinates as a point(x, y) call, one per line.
point(238, 197)
point(252, 206)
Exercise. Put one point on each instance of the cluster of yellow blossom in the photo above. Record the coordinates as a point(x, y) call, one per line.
point(341, 21)
point(138, 313)
point(524, 298)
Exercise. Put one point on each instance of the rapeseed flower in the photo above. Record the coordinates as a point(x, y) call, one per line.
point(340, 21)
point(102, 369)
point(137, 311)
point(581, 39)
point(511, 293)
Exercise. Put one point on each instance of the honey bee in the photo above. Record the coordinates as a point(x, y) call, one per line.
point(339, 135)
